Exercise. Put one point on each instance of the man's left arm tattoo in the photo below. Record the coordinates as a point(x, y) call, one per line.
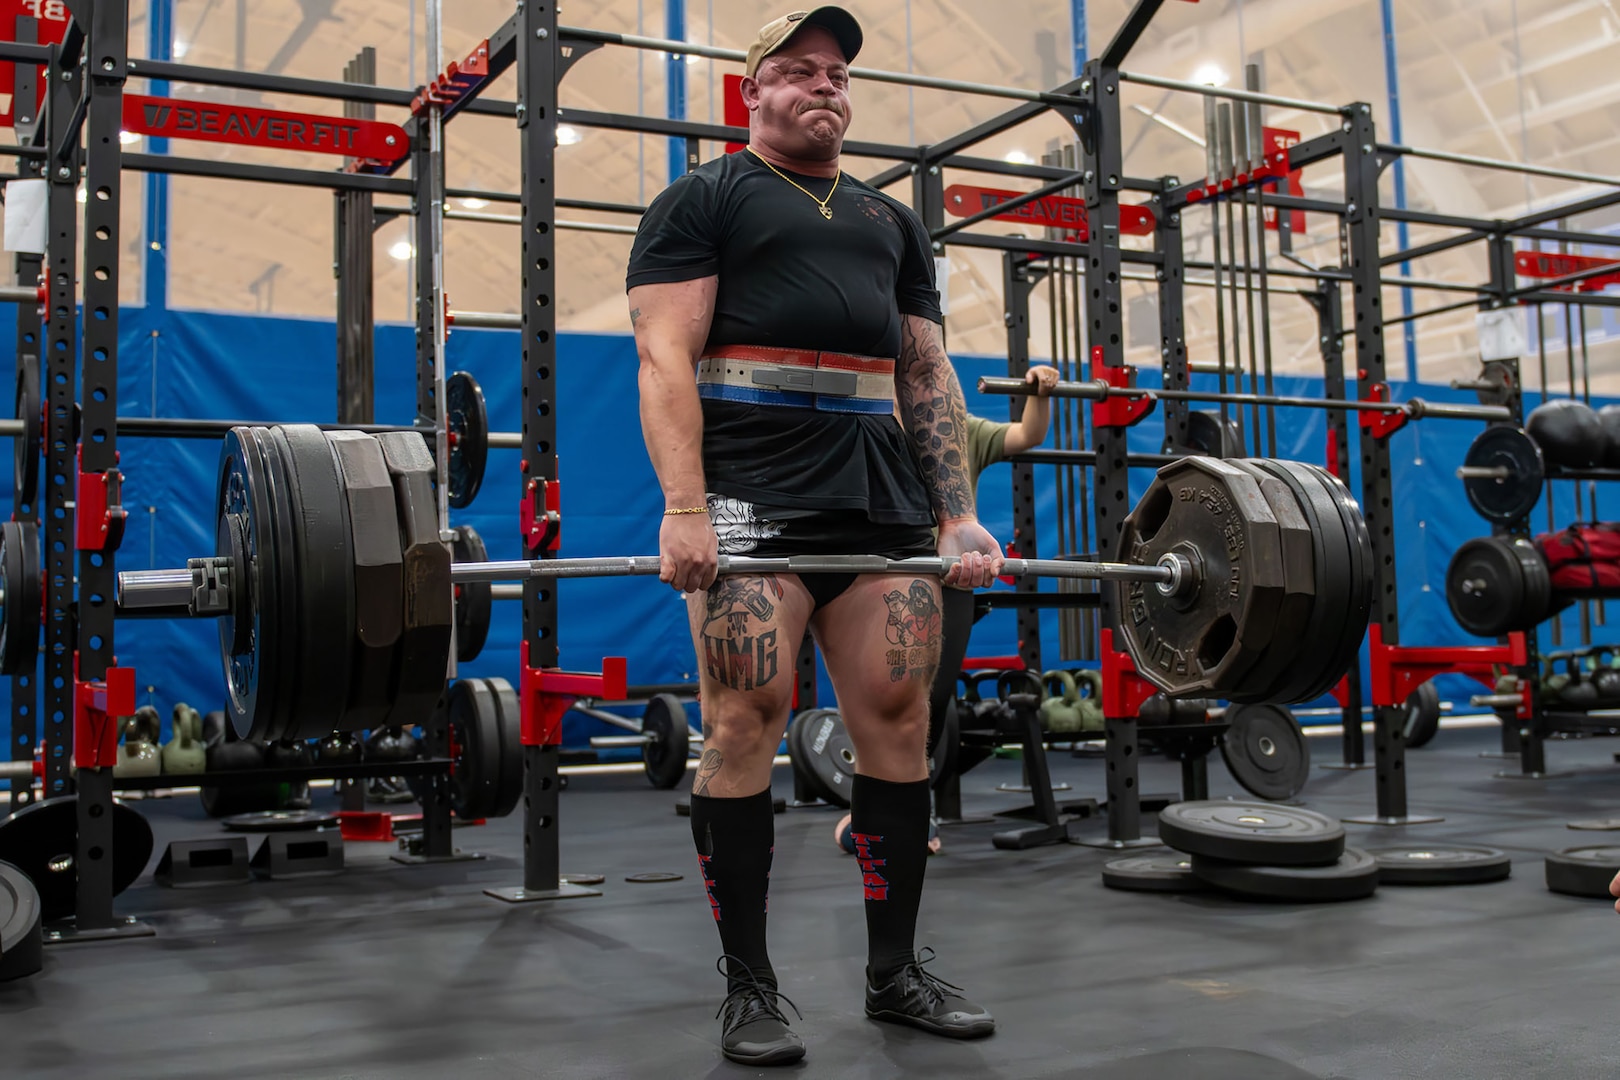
point(935, 416)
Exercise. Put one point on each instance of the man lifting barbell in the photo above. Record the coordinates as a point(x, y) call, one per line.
point(804, 299)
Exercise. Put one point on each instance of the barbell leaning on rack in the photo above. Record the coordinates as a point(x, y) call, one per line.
point(1414, 408)
point(1248, 580)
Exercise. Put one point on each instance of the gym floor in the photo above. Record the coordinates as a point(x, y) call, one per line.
point(393, 971)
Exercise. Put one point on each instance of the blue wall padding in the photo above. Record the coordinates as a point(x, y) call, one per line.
point(197, 364)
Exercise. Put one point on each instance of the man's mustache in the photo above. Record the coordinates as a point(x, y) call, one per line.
point(832, 105)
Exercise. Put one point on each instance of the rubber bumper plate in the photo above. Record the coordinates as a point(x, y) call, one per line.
point(22, 937)
point(1266, 751)
point(1583, 871)
point(828, 755)
point(1440, 864)
point(279, 821)
point(40, 840)
point(1352, 877)
point(1261, 834)
point(1166, 872)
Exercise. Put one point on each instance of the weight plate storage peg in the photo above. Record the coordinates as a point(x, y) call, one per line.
point(1165, 872)
point(1353, 876)
point(20, 607)
point(1511, 494)
point(1422, 715)
point(1440, 864)
point(669, 741)
point(467, 420)
point(1266, 751)
point(1577, 871)
point(41, 840)
point(22, 936)
point(1261, 834)
point(474, 599)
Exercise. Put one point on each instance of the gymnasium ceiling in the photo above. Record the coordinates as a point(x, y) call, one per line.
point(1517, 79)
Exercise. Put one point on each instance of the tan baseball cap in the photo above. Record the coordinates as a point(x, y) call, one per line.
point(773, 35)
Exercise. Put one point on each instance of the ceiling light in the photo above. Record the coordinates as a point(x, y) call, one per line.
point(402, 250)
point(473, 202)
point(568, 135)
point(1018, 157)
point(128, 138)
point(1210, 75)
point(179, 48)
point(693, 58)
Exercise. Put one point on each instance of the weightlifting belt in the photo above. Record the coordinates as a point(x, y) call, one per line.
point(830, 382)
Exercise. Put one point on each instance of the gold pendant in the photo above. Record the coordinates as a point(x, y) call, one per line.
point(825, 212)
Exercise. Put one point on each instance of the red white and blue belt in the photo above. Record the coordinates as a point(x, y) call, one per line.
point(801, 378)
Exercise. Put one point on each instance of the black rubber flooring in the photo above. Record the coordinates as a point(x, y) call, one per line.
point(393, 971)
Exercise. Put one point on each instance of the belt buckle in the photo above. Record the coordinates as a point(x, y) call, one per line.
point(808, 380)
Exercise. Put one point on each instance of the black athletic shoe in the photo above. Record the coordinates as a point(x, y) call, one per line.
point(753, 1028)
point(916, 997)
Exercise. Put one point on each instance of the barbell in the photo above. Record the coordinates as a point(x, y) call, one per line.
point(1248, 580)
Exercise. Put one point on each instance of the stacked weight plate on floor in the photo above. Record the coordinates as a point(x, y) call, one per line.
point(1440, 864)
point(823, 753)
point(21, 610)
point(22, 938)
point(1266, 751)
point(1170, 872)
point(1495, 584)
point(1283, 566)
point(1576, 871)
point(1268, 852)
point(341, 601)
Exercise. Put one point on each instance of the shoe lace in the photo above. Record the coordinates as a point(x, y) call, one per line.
point(751, 998)
point(934, 988)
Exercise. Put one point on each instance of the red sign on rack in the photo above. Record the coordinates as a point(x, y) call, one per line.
point(736, 113)
point(1551, 264)
point(1276, 141)
point(52, 16)
point(1052, 211)
point(214, 122)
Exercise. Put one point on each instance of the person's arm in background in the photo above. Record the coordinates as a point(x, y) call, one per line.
point(1030, 430)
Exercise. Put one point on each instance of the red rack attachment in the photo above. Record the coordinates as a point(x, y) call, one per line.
point(540, 515)
point(547, 693)
point(1398, 670)
point(1381, 424)
point(1124, 688)
point(100, 518)
point(96, 709)
point(1116, 411)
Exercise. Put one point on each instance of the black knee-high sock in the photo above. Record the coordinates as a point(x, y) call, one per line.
point(889, 823)
point(735, 839)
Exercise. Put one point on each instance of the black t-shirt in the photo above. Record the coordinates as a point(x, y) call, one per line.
point(789, 277)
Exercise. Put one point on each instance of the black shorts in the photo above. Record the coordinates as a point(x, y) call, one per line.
point(746, 529)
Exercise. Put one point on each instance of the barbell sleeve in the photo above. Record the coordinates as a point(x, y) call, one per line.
point(138, 589)
point(1484, 472)
point(16, 770)
point(1495, 700)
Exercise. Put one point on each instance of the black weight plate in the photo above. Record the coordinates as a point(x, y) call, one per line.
point(21, 611)
point(1262, 834)
point(1300, 568)
point(325, 581)
point(1164, 873)
point(1330, 547)
point(652, 878)
point(1505, 501)
point(378, 577)
point(475, 746)
point(509, 786)
point(1352, 877)
point(1207, 435)
point(467, 421)
point(584, 879)
point(250, 637)
point(665, 757)
point(474, 599)
point(1486, 587)
point(1537, 582)
point(1357, 579)
point(29, 447)
point(287, 521)
point(1422, 715)
point(424, 641)
point(22, 938)
point(1578, 871)
point(1266, 751)
point(1596, 825)
point(1440, 864)
point(1203, 643)
point(279, 821)
point(829, 754)
point(41, 841)
point(796, 752)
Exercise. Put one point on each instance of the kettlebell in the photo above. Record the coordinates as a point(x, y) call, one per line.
point(185, 753)
point(215, 730)
point(1060, 712)
point(1569, 433)
point(1607, 681)
point(1579, 691)
point(238, 756)
point(338, 748)
point(290, 755)
point(390, 744)
point(139, 756)
point(1089, 683)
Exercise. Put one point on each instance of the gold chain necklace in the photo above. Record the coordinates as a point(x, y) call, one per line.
point(821, 204)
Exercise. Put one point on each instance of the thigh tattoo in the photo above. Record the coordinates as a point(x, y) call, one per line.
point(914, 629)
point(739, 640)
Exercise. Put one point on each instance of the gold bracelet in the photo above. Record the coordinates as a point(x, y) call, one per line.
point(687, 510)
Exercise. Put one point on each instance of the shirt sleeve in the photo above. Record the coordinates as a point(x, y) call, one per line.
point(987, 444)
point(914, 289)
point(679, 236)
